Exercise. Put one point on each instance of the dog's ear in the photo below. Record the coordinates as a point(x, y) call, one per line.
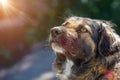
point(108, 39)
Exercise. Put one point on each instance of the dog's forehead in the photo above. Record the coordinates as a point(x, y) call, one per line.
point(75, 21)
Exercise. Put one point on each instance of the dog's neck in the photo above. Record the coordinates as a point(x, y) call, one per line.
point(93, 70)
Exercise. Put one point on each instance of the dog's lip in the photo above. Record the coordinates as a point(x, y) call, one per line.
point(66, 51)
point(70, 54)
point(73, 55)
point(52, 41)
point(57, 47)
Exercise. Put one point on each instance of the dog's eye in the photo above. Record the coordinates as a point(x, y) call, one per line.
point(81, 29)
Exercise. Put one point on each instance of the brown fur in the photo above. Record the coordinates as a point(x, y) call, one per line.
point(91, 45)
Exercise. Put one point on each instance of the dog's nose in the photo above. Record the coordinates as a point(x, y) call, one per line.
point(55, 31)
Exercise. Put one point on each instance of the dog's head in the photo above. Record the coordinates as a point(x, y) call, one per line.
point(83, 38)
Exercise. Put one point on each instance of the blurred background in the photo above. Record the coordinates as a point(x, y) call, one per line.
point(24, 32)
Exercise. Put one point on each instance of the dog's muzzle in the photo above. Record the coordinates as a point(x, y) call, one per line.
point(55, 31)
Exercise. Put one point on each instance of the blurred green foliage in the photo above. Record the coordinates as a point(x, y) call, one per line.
point(60, 9)
point(5, 53)
point(97, 9)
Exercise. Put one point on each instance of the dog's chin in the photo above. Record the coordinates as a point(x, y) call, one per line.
point(57, 48)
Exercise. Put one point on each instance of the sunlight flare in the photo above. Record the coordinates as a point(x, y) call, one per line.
point(4, 3)
point(9, 9)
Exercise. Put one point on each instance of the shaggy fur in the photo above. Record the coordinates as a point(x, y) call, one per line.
point(86, 49)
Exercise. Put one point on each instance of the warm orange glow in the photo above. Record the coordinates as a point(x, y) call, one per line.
point(4, 3)
point(8, 9)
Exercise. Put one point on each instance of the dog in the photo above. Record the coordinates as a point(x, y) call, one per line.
point(86, 49)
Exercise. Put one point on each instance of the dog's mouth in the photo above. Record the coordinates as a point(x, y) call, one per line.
point(58, 44)
point(62, 43)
